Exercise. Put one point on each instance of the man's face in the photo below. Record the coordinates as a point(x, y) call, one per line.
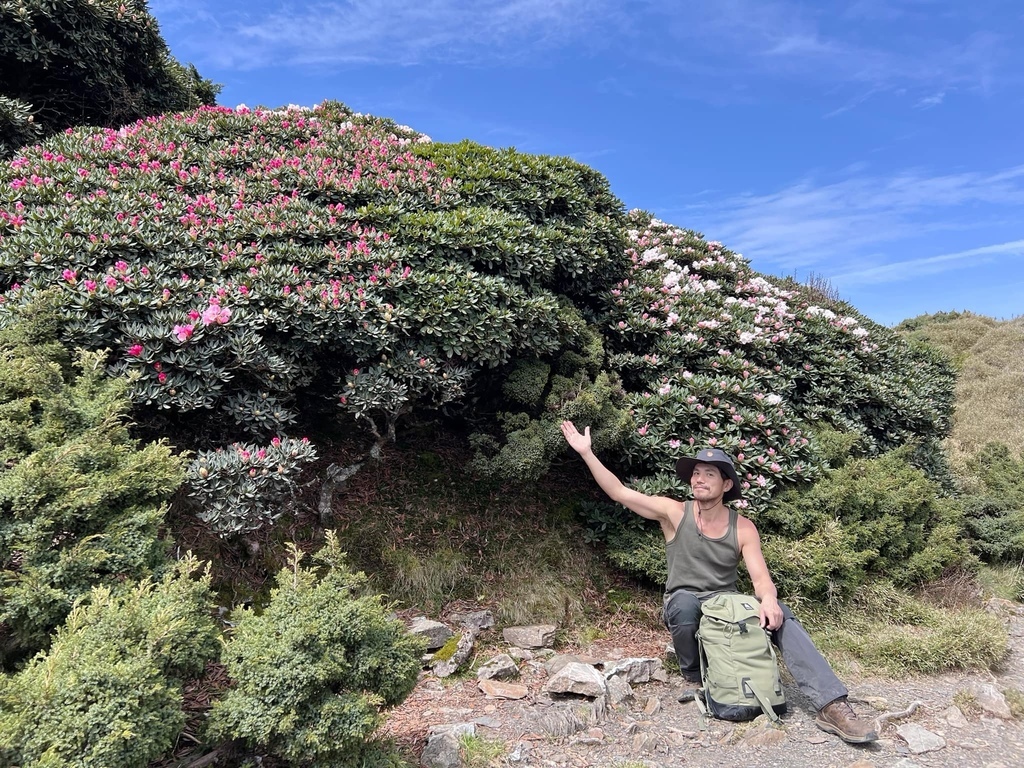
point(707, 483)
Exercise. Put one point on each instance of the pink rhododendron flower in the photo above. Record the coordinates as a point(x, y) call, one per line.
point(216, 314)
point(70, 275)
point(135, 350)
point(110, 281)
point(183, 332)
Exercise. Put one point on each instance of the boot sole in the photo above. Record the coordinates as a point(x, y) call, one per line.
point(829, 728)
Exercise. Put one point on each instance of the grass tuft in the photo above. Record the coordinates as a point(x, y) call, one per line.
point(480, 752)
point(895, 632)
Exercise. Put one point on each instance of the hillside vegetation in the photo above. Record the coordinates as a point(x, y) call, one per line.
point(284, 296)
point(989, 356)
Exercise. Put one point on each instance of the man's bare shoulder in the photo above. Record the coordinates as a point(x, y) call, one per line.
point(744, 525)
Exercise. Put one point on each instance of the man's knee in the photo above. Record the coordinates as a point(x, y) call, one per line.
point(681, 609)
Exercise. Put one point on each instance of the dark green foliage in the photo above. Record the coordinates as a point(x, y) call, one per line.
point(894, 522)
point(314, 669)
point(994, 514)
point(17, 125)
point(108, 691)
point(243, 263)
point(80, 501)
point(94, 62)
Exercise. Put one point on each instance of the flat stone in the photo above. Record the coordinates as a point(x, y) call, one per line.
point(635, 670)
point(579, 679)
point(497, 690)
point(861, 764)
point(500, 667)
point(520, 654)
point(554, 665)
point(532, 636)
point(920, 740)
point(435, 632)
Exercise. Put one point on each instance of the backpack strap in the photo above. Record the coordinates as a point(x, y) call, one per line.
point(765, 706)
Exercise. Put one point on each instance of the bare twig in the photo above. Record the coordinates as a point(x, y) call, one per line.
point(888, 716)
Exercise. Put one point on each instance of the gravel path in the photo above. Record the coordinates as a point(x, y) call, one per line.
point(653, 729)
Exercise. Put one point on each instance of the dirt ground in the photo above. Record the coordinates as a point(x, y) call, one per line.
point(653, 729)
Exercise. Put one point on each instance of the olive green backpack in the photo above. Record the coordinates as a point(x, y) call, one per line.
point(738, 668)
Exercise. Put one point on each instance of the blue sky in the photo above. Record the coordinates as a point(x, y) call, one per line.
point(875, 143)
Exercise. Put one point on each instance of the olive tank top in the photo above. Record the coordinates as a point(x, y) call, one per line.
point(698, 564)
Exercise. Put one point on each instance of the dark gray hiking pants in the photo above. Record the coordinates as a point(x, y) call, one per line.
point(813, 675)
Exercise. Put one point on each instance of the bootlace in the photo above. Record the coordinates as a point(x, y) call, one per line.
point(842, 708)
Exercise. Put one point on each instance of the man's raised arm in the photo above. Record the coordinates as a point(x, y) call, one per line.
point(658, 508)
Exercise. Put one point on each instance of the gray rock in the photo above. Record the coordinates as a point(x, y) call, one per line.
point(442, 750)
point(634, 670)
point(954, 717)
point(561, 723)
point(435, 632)
point(579, 679)
point(533, 636)
point(477, 620)
point(645, 743)
point(554, 665)
point(520, 654)
point(652, 706)
point(990, 699)
point(920, 740)
point(520, 753)
point(500, 667)
point(618, 690)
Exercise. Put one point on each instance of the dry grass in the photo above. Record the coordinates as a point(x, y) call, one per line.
point(989, 399)
point(889, 631)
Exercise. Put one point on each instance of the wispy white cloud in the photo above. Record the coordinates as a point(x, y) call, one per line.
point(905, 48)
point(398, 32)
point(914, 268)
point(931, 101)
point(852, 227)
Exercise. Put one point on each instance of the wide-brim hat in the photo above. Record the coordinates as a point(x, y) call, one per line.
point(722, 460)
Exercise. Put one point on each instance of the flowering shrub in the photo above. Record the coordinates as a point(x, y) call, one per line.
point(717, 355)
point(243, 487)
point(234, 259)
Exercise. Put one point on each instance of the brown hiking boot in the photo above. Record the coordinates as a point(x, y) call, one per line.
point(839, 718)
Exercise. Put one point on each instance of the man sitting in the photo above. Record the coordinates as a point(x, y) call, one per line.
point(703, 549)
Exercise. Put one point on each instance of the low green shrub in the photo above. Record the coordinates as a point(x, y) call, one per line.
point(994, 507)
point(313, 671)
point(108, 692)
point(81, 501)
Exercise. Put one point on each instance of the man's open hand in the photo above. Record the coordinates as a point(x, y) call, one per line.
point(579, 443)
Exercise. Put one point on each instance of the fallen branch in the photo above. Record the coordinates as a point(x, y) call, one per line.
point(336, 478)
point(889, 716)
